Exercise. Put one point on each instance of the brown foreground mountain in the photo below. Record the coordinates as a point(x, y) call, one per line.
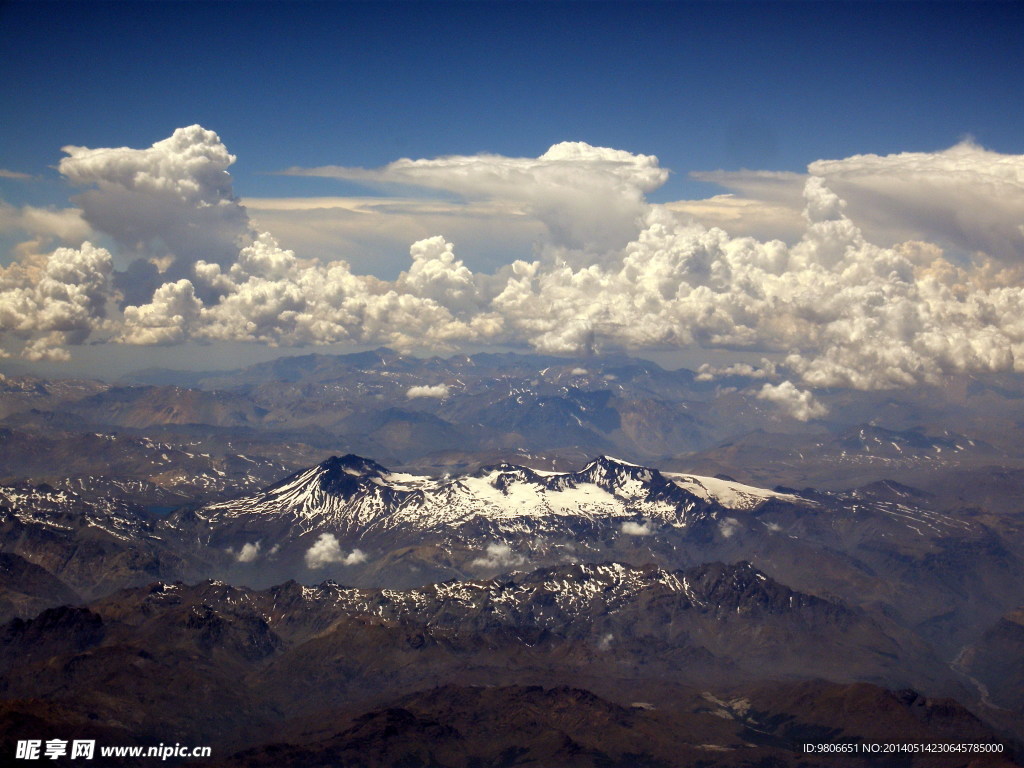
point(575, 666)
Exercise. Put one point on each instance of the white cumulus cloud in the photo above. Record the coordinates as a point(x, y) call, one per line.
point(766, 370)
point(327, 550)
point(498, 556)
point(800, 404)
point(249, 552)
point(49, 347)
point(439, 391)
point(631, 528)
point(167, 319)
point(728, 527)
point(355, 556)
point(57, 299)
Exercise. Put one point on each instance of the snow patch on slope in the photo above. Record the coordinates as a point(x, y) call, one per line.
point(729, 493)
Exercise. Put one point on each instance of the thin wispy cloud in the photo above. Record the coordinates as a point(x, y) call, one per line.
point(64, 225)
point(498, 556)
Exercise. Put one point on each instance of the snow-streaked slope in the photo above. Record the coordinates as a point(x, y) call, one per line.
point(556, 597)
point(65, 510)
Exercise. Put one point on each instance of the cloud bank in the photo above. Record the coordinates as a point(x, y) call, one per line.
point(828, 307)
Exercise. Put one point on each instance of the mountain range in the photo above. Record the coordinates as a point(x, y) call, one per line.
point(178, 561)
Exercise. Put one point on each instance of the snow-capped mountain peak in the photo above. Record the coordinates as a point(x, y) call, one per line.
point(358, 497)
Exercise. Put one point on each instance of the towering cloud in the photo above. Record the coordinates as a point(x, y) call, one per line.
point(966, 199)
point(589, 198)
point(965, 196)
point(171, 202)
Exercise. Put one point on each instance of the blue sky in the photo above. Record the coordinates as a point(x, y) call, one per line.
point(831, 194)
point(701, 85)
